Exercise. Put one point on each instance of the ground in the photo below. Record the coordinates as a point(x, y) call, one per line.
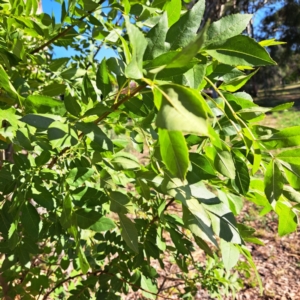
point(278, 261)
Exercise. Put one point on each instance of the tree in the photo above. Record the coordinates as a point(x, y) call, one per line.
point(89, 185)
point(284, 24)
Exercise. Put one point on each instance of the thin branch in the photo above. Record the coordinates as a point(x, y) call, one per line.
point(99, 272)
point(68, 279)
point(161, 287)
point(172, 286)
point(169, 203)
point(95, 54)
point(101, 118)
point(64, 32)
point(156, 217)
point(118, 104)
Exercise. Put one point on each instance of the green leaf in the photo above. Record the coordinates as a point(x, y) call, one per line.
point(148, 285)
point(102, 79)
point(43, 105)
point(10, 116)
point(273, 182)
point(125, 161)
point(201, 169)
point(86, 217)
point(230, 254)
point(160, 65)
point(203, 245)
point(292, 195)
point(97, 110)
point(119, 202)
point(129, 232)
point(138, 44)
point(54, 89)
point(287, 218)
point(292, 173)
point(222, 218)
point(224, 164)
point(282, 106)
point(184, 31)
point(227, 27)
point(173, 8)
point(37, 121)
point(194, 76)
point(197, 221)
point(103, 224)
point(6, 84)
point(59, 64)
point(178, 240)
point(270, 42)
point(188, 52)
point(156, 39)
point(99, 139)
point(83, 263)
point(290, 156)
point(66, 214)
point(78, 176)
point(72, 105)
point(240, 51)
point(288, 137)
point(242, 178)
point(237, 82)
point(143, 189)
point(181, 109)
point(247, 254)
point(61, 135)
point(30, 220)
point(174, 152)
point(43, 158)
point(43, 197)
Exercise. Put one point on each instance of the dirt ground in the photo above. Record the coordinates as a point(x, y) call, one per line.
point(278, 262)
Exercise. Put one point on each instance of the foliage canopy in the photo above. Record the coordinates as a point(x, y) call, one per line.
point(88, 183)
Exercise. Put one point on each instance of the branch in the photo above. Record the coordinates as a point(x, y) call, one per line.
point(166, 207)
point(68, 279)
point(94, 56)
point(102, 117)
point(64, 32)
point(98, 272)
point(172, 286)
point(118, 104)
point(156, 217)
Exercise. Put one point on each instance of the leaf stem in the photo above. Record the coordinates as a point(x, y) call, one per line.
point(98, 272)
point(102, 117)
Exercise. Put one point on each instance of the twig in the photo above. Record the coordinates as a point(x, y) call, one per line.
point(119, 103)
point(64, 32)
point(156, 217)
point(98, 272)
point(68, 279)
point(102, 117)
point(172, 286)
point(161, 287)
point(94, 56)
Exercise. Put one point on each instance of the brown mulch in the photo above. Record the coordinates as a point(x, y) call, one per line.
point(278, 264)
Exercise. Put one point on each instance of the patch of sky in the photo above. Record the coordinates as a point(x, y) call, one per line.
point(53, 7)
point(260, 14)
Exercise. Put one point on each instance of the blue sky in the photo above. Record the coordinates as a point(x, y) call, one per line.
point(261, 13)
point(52, 6)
